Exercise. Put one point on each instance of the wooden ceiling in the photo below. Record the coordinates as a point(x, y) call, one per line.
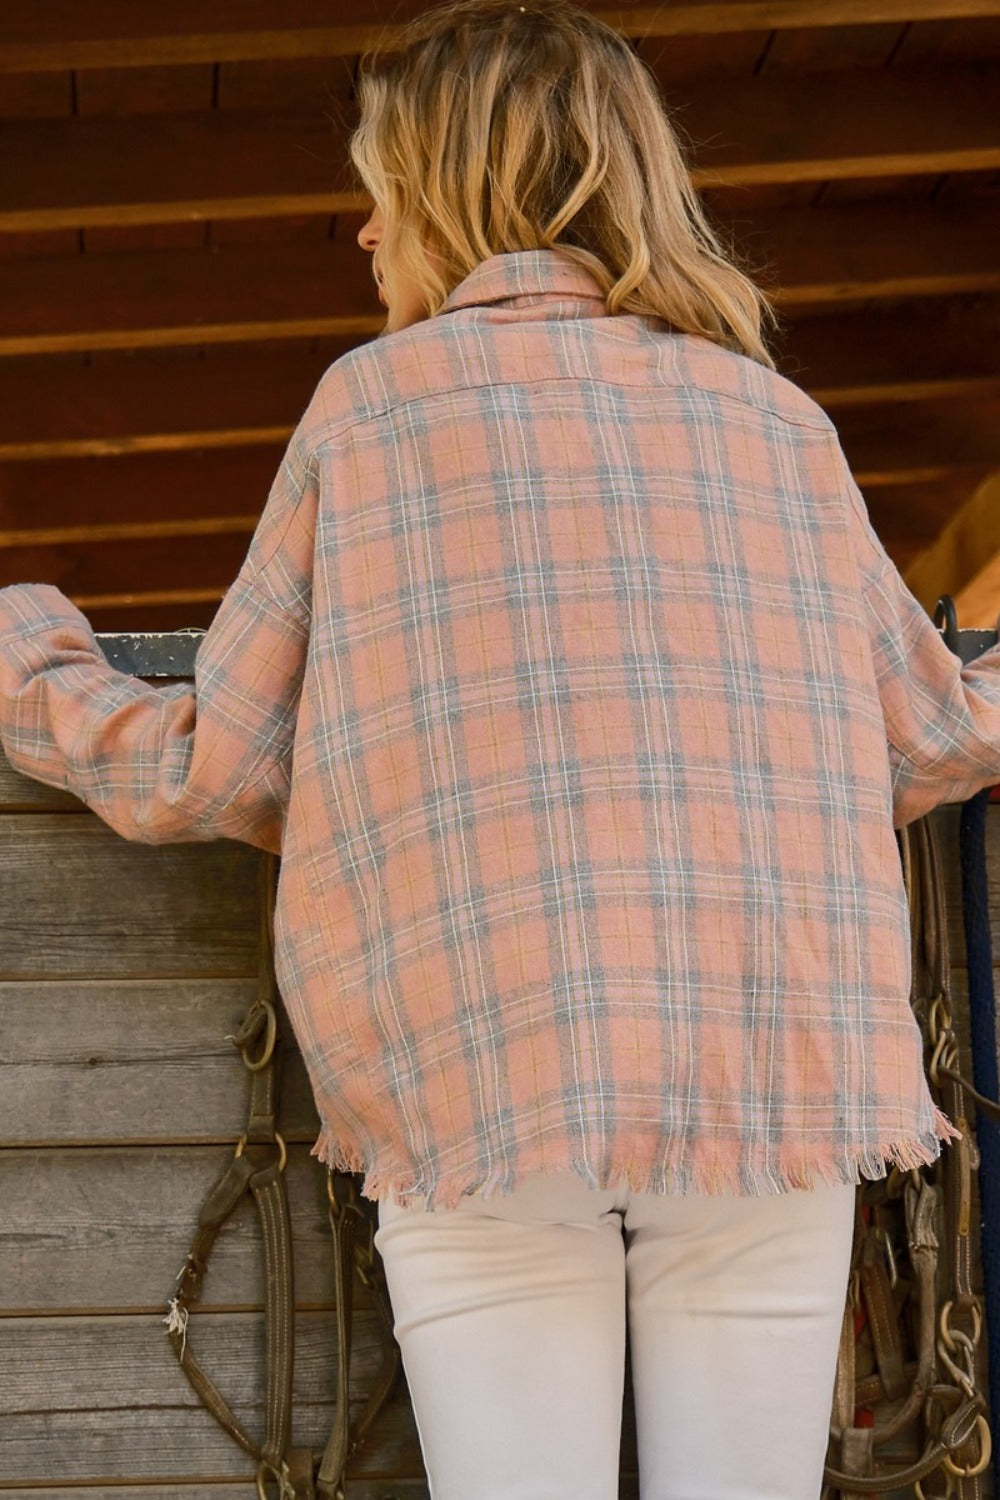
point(178, 262)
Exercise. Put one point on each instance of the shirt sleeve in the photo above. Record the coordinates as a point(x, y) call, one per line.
point(172, 763)
point(942, 719)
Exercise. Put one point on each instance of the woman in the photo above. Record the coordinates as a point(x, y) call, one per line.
point(579, 696)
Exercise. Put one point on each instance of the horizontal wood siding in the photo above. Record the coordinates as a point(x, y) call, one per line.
point(123, 970)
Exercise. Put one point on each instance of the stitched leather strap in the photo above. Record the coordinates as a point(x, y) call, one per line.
point(258, 1166)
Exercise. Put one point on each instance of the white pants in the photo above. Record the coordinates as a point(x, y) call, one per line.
point(511, 1315)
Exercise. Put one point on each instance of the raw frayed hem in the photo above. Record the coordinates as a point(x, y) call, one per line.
point(711, 1179)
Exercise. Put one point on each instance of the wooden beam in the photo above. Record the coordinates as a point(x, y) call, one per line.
point(304, 289)
point(129, 565)
point(868, 122)
point(156, 169)
point(168, 487)
point(920, 440)
point(291, 290)
point(167, 614)
point(160, 401)
point(965, 561)
point(217, 164)
point(937, 347)
point(118, 33)
point(147, 598)
point(127, 531)
point(882, 248)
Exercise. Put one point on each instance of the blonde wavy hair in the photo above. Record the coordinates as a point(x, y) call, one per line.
point(499, 127)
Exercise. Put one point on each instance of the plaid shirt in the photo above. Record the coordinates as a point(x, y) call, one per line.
point(570, 679)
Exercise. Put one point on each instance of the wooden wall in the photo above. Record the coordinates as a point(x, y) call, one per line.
point(122, 969)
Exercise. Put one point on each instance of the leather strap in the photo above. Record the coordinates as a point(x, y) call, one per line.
point(938, 1390)
point(354, 1260)
point(258, 1166)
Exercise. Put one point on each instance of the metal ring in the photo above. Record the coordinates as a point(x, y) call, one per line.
point(254, 1064)
point(985, 1454)
point(945, 1328)
point(283, 1157)
point(285, 1486)
point(337, 1205)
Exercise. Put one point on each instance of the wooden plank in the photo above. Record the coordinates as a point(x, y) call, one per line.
point(116, 33)
point(881, 249)
point(105, 1231)
point(304, 83)
point(156, 402)
point(21, 794)
point(911, 352)
point(149, 599)
point(153, 169)
point(885, 444)
point(88, 571)
point(165, 615)
point(114, 238)
point(142, 91)
point(78, 901)
point(166, 1442)
point(810, 49)
point(173, 485)
point(679, 59)
point(939, 43)
point(33, 95)
point(276, 292)
point(796, 128)
point(188, 297)
point(72, 536)
point(135, 1061)
point(213, 164)
point(82, 1396)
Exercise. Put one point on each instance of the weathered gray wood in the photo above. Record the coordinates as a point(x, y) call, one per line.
point(86, 1231)
point(25, 795)
point(78, 900)
point(126, 1060)
point(173, 1442)
point(129, 1362)
point(134, 1416)
point(236, 1489)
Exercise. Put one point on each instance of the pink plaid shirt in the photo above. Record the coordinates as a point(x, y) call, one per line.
point(570, 679)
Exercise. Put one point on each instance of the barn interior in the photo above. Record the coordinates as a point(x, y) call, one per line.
point(179, 263)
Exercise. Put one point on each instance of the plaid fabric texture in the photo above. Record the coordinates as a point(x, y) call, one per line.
point(570, 679)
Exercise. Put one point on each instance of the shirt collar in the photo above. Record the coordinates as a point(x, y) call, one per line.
point(533, 274)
